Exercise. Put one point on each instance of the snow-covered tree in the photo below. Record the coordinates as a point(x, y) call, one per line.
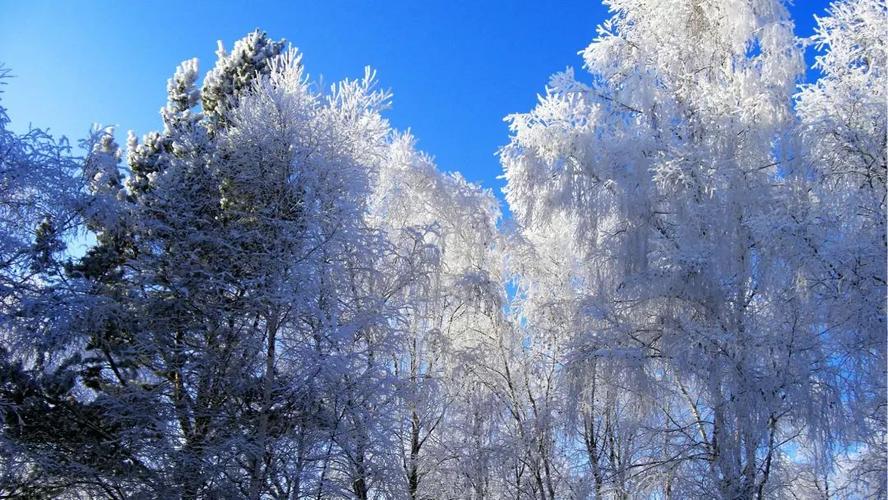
point(277, 295)
point(443, 281)
point(40, 205)
point(668, 176)
point(39, 201)
point(228, 316)
point(843, 123)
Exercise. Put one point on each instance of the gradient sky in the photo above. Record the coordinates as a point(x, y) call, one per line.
point(456, 68)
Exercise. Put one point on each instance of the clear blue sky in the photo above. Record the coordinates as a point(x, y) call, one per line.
point(456, 68)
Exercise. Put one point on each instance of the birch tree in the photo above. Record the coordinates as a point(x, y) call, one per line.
point(667, 171)
point(843, 131)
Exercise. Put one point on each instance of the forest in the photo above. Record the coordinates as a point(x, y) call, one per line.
point(279, 296)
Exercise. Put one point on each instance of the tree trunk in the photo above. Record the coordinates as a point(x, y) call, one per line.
point(257, 479)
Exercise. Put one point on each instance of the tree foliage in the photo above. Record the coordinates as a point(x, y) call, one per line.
point(278, 295)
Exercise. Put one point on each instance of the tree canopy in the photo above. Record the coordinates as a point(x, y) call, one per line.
point(278, 295)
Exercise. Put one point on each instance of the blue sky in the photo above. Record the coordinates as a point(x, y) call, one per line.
point(456, 68)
